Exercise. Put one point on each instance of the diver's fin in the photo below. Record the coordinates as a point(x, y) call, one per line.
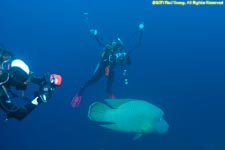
point(115, 103)
point(137, 136)
point(97, 112)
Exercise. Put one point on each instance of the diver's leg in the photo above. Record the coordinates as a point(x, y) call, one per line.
point(22, 112)
point(96, 76)
point(110, 80)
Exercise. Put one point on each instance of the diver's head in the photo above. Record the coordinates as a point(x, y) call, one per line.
point(115, 45)
point(19, 73)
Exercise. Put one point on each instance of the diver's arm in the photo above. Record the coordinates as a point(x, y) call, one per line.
point(20, 113)
point(94, 32)
point(12, 110)
point(140, 30)
point(39, 80)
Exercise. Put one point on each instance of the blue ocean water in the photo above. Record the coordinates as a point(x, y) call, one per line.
point(179, 67)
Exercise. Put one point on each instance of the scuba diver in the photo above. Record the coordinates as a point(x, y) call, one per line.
point(15, 75)
point(113, 54)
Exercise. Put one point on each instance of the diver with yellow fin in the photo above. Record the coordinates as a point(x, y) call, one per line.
point(113, 54)
point(15, 75)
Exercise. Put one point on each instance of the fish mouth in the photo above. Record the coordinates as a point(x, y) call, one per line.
point(161, 126)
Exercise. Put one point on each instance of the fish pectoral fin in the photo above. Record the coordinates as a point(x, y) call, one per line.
point(137, 136)
point(110, 126)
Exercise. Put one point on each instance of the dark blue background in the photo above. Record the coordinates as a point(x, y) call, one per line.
point(179, 67)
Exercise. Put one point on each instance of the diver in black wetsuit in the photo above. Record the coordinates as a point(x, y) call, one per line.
point(113, 54)
point(15, 74)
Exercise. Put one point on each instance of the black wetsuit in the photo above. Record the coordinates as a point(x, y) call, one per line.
point(105, 67)
point(11, 109)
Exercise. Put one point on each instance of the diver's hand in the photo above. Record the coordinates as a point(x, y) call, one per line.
point(42, 98)
point(48, 88)
point(94, 31)
point(46, 92)
point(141, 26)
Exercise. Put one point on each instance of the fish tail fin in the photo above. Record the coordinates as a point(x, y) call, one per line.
point(97, 112)
point(137, 136)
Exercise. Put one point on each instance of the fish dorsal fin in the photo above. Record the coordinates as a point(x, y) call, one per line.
point(137, 136)
point(115, 103)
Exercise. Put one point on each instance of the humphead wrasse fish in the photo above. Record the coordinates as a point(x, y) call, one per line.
point(129, 115)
